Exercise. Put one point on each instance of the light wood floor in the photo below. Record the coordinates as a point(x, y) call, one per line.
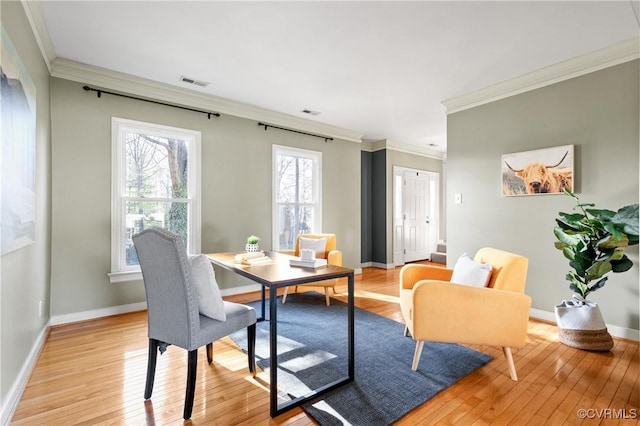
point(94, 373)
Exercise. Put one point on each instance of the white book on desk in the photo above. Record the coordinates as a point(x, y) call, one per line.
point(315, 263)
point(254, 258)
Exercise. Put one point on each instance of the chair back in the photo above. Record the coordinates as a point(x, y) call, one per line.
point(172, 303)
point(509, 270)
point(331, 243)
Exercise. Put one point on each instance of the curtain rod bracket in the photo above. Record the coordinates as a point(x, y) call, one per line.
point(99, 92)
point(326, 138)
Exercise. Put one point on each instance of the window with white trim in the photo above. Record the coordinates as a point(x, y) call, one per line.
point(297, 183)
point(155, 183)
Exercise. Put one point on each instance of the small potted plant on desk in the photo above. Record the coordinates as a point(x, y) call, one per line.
point(594, 241)
point(252, 244)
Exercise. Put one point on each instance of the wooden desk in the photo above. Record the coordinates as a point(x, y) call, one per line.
point(277, 274)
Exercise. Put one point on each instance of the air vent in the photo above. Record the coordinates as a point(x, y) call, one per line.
point(193, 81)
point(310, 112)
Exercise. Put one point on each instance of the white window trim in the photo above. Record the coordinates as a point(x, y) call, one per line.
point(287, 150)
point(119, 126)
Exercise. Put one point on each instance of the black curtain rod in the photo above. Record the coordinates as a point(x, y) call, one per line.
point(100, 92)
point(326, 138)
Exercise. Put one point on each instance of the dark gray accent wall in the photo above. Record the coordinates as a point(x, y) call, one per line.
point(379, 206)
point(366, 250)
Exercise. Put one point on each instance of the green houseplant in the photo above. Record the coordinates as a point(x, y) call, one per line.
point(252, 244)
point(594, 242)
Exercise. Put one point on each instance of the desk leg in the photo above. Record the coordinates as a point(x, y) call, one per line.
point(273, 351)
point(351, 326)
point(262, 302)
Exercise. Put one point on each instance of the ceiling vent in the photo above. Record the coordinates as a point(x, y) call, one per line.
point(193, 81)
point(310, 112)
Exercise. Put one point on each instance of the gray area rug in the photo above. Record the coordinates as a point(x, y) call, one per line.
point(312, 351)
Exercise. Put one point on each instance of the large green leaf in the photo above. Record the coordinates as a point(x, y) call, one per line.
point(601, 214)
point(565, 238)
point(598, 270)
point(613, 229)
point(576, 284)
point(596, 286)
point(570, 226)
point(611, 242)
point(621, 265)
point(627, 219)
point(572, 217)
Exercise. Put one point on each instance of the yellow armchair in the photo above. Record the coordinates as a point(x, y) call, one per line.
point(436, 309)
point(333, 256)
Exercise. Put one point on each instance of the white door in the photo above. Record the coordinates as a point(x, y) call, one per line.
point(415, 212)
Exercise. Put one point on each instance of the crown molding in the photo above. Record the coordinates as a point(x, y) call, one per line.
point(616, 54)
point(125, 83)
point(372, 146)
point(413, 149)
point(33, 10)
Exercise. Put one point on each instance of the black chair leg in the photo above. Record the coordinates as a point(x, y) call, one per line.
point(151, 367)
point(191, 383)
point(251, 348)
point(210, 352)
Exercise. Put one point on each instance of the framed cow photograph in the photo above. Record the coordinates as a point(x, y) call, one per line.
point(538, 172)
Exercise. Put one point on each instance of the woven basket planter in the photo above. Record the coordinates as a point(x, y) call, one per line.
point(581, 326)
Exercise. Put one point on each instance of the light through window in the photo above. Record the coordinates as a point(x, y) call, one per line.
point(296, 194)
point(155, 184)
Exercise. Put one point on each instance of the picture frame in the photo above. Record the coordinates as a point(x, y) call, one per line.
point(538, 172)
point(18, 151)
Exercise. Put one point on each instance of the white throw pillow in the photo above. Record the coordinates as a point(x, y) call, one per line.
point(316, 244)
point(204, 281)
point(468, 271)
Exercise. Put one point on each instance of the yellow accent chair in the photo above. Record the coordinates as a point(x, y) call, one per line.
point(436, 309)
point(333, 256)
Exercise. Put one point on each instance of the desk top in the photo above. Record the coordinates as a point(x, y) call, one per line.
point(277, 272)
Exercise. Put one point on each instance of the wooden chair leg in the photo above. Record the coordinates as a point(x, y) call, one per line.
point(210, 352)
point(512, 366)
point(151, 367)
point(326, 296)
point(416, 355)
point(251, 348)
point(284, 296)
point(191, 383)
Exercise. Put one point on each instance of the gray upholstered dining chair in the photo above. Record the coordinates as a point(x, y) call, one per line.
point(174, 305)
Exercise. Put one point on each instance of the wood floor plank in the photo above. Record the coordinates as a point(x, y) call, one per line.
point(77, 381)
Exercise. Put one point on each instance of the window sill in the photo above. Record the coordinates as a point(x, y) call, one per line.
point(121, 277)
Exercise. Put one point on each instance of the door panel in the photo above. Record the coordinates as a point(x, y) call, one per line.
point(416, 219)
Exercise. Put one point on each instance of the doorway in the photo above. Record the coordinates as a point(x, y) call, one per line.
point(415, 213)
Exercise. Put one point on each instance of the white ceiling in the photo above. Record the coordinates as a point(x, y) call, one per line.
point(378, 68)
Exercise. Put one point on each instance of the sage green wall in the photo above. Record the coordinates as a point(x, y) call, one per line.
point(25, 272)
point(599, 114)
point(412, 161)
point(236, 190)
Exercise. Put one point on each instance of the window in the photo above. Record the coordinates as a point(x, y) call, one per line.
point(155, 183)
point(297, 194)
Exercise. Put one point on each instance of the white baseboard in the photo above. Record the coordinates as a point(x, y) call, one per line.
point(614, 330)
point(10, 403)
point(381, 265)
point(239, 290)
point(97, 313)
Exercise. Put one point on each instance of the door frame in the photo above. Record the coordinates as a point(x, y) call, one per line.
point(397, 211)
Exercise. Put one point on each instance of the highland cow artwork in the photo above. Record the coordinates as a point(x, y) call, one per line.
point(542, 171)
